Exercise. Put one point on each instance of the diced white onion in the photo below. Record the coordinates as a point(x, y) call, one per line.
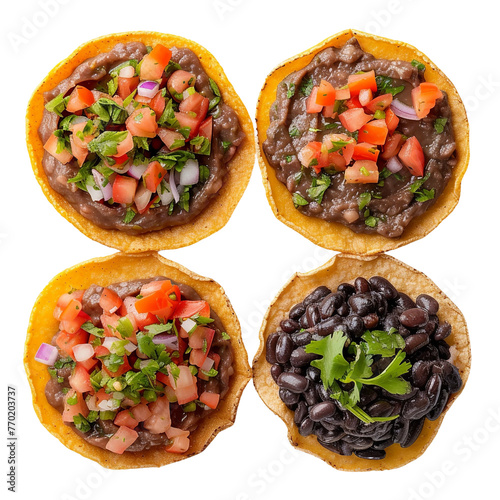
point(82, 352)
point(165, 193)
point(207, 365)
point(190, 173)
point(173, 188)
point(108, 405)
point(188, 325)
point(93, 189)
point(394, 165)
point(136, 171)
point(127, 72)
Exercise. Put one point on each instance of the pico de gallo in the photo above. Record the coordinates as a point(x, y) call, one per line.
point(366, 142)
point(133, 371)
point(141, 140)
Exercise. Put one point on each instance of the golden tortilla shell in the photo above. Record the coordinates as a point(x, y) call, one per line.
point(346, 268)
point(333, 235)
point(113, 269)
point(214, 216)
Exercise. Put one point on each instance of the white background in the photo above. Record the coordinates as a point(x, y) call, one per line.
point(255, 254)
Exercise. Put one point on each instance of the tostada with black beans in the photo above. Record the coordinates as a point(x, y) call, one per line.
point(134, 361)
point(140, 141)
point(363, 143)
point(361, 359)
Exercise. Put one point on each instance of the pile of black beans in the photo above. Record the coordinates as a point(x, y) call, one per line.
point(373, 304)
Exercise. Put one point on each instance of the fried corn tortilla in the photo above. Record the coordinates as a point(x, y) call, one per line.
point(113, 269)
point(333, 235)
point(219, 210)
point(345, 268)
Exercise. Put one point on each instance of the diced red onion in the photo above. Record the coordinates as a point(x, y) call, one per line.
point(127, 72)
point(168, 339)
point(107, 190)
point(94, 190)
point(394, 165)
point(122, 169)
point(173, 188)
point(190, 173)
point(82, 352)
point(136, 171)
point(46, 354)
point(207, 365)
point(164, 193)
point(403, 110)
point(148, 89)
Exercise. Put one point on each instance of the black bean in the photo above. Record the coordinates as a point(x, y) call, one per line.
point(288, 397)
point(316, 295)
point(276, 372)
point(361, 304)
point(361, 285)
point(311, 395)
point(416, 407)
point(403, 331)
point(313, 315)
point(444, 349)
point(293, 382)
point(328, 326)
point(355, 325)
point(391, 321)
point(297, 311)
point(433, 389)
point(335, 447)
point(400, 430)
point(329, 425)
point(284, 348)
point(383, 443)
point(329, 436)
point(300, 357)
point(381, 305)
point(438, 409)
point(415, 342)
point(367, 395)
point(370, 454)
point(313, 373)
point(449, 373)
point(289, 325)
point(430, 304)
point(380, 408)
point(370, 321)
point(271, 347)
point(347, 289)
point(420, 373)
point(343, 310)
point(301, 338)
point(351, 422)
point(300, 413)
point(327, 306)
point(385, 287)
point(345, 449)
point(405, 302)
point(416, 427)
point(442, 331)
point(322, 410)
point(426, 353)
point(400, 397)
point(428, 328)
point(306, 427)
point(412, 318)
point(322, 392)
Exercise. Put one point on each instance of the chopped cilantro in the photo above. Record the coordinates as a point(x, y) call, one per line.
point(306, 86)
point(290, 90)
point(417, 64)
point(299, 200)
point(385, 85)
point(439, 124)
point(129, 215)
point(294, 131)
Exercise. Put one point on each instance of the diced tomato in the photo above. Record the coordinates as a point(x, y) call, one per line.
point(180, 444)
point(142, 123)
point(353, 119)
point(191, 122)
point(161, 377)
point(391, 120)
point(210, 399)
point(365, 151)
point(79, 99)
point(123, 147)
point(89, 363)
point(143, 100)
point(392, 146)
point(342, 94)
point(77, 130)
point(362, 172)
point(412, 156)
point(365, 96)
point(374, 132)
point(158, 303)
point(141, 319)
point(178, 82)
point(66, 341)
point(124, 368)
point(328, 111)
point(71, 311)
point(197, 357)
point(310, 155)
point(159, 421)
point(71, 411)
point(157, 104)
point(121, 440)
point(154, 286)
point(362, 81)
point(64, 300)
point(127, 85)
point(78, 152)
point(182, 349)
point(124, 188)
point(141, 412)
point(110, 301)
point(80, 379)
point(51, 147)
point(154, 63)
point(72, 326)
point(126, 418)
point(195, 103)
point(424, 98)
point(216, 359)
point(174, 432)
point(142, 198)
point(188, 308)
point(109, 323)
point(153, 175)
point(353, 102)
point(185, 385)
point(172, 139)
point(379, 103)
point(311, 106)
point(333, 155)
point(201, 338)
point(101, 394)
point(205, 129)
point(325, 95)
